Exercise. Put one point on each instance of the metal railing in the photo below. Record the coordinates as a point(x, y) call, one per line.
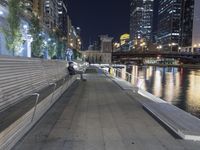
point(134, 80)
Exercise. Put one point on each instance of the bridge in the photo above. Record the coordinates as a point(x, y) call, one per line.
point(43, 108)
point(182, 56)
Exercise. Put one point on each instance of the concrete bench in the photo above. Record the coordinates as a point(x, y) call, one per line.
point(28, 88)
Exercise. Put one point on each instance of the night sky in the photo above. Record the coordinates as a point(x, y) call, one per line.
point(97, 17)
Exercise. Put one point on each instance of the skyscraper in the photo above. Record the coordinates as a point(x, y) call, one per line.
point(141, 19)
point(186, 26)
point(190, 26)
point(169, 15)
point(196, 28)
point(62, 14)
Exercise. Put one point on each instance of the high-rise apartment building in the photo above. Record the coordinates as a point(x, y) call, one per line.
point(50, 17)
point(55, 15)
point(62, 14)
point(169, 15)
point(141, 19)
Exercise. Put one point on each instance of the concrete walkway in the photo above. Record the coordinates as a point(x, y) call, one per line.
point(98, 115)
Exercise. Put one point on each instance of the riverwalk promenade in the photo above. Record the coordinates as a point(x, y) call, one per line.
point(99, 115)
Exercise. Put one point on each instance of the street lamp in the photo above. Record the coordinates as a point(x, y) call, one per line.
point(159, 47)
point(142, 45)
point(171, 45)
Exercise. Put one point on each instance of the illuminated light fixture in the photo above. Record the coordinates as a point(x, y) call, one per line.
point(195, 45)
point(173, 44)
point(1, 12)
point(25, 26)
point(143, 44)
point(159, 47)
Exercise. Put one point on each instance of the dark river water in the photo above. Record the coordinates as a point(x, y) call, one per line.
point(178, 86)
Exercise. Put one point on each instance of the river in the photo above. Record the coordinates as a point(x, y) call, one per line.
point(178, 86)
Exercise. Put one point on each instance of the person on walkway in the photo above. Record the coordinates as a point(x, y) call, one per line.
point(72, 71)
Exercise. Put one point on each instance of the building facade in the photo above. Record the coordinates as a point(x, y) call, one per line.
point(98, 57)
point(187, 17)
point(141, 19)
point(50, 14)
point(196, 28)
point(106, 44)
point(190, 26)
point(169, 15)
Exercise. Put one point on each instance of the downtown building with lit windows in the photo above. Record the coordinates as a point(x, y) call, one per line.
point(53, 18)
point(141, 21)
point(190, 26)
point(196, 28)
point(169, 17)
point(186, 25)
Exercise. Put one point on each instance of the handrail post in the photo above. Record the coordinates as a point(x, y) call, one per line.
point(62, 86)
point(53, 91)
point(35, 107)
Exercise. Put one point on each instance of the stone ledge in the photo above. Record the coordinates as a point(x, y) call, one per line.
point(180, 122)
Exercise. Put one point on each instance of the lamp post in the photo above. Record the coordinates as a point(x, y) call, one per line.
point(142, 45)
point(159, 47)
point(172, 45)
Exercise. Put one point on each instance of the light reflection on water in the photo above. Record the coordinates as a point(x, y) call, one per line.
point(178, 86)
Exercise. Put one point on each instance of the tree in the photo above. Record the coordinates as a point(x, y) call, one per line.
point(12, 31)
point(35, 31)
point(52, 48)
point(56, 46)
